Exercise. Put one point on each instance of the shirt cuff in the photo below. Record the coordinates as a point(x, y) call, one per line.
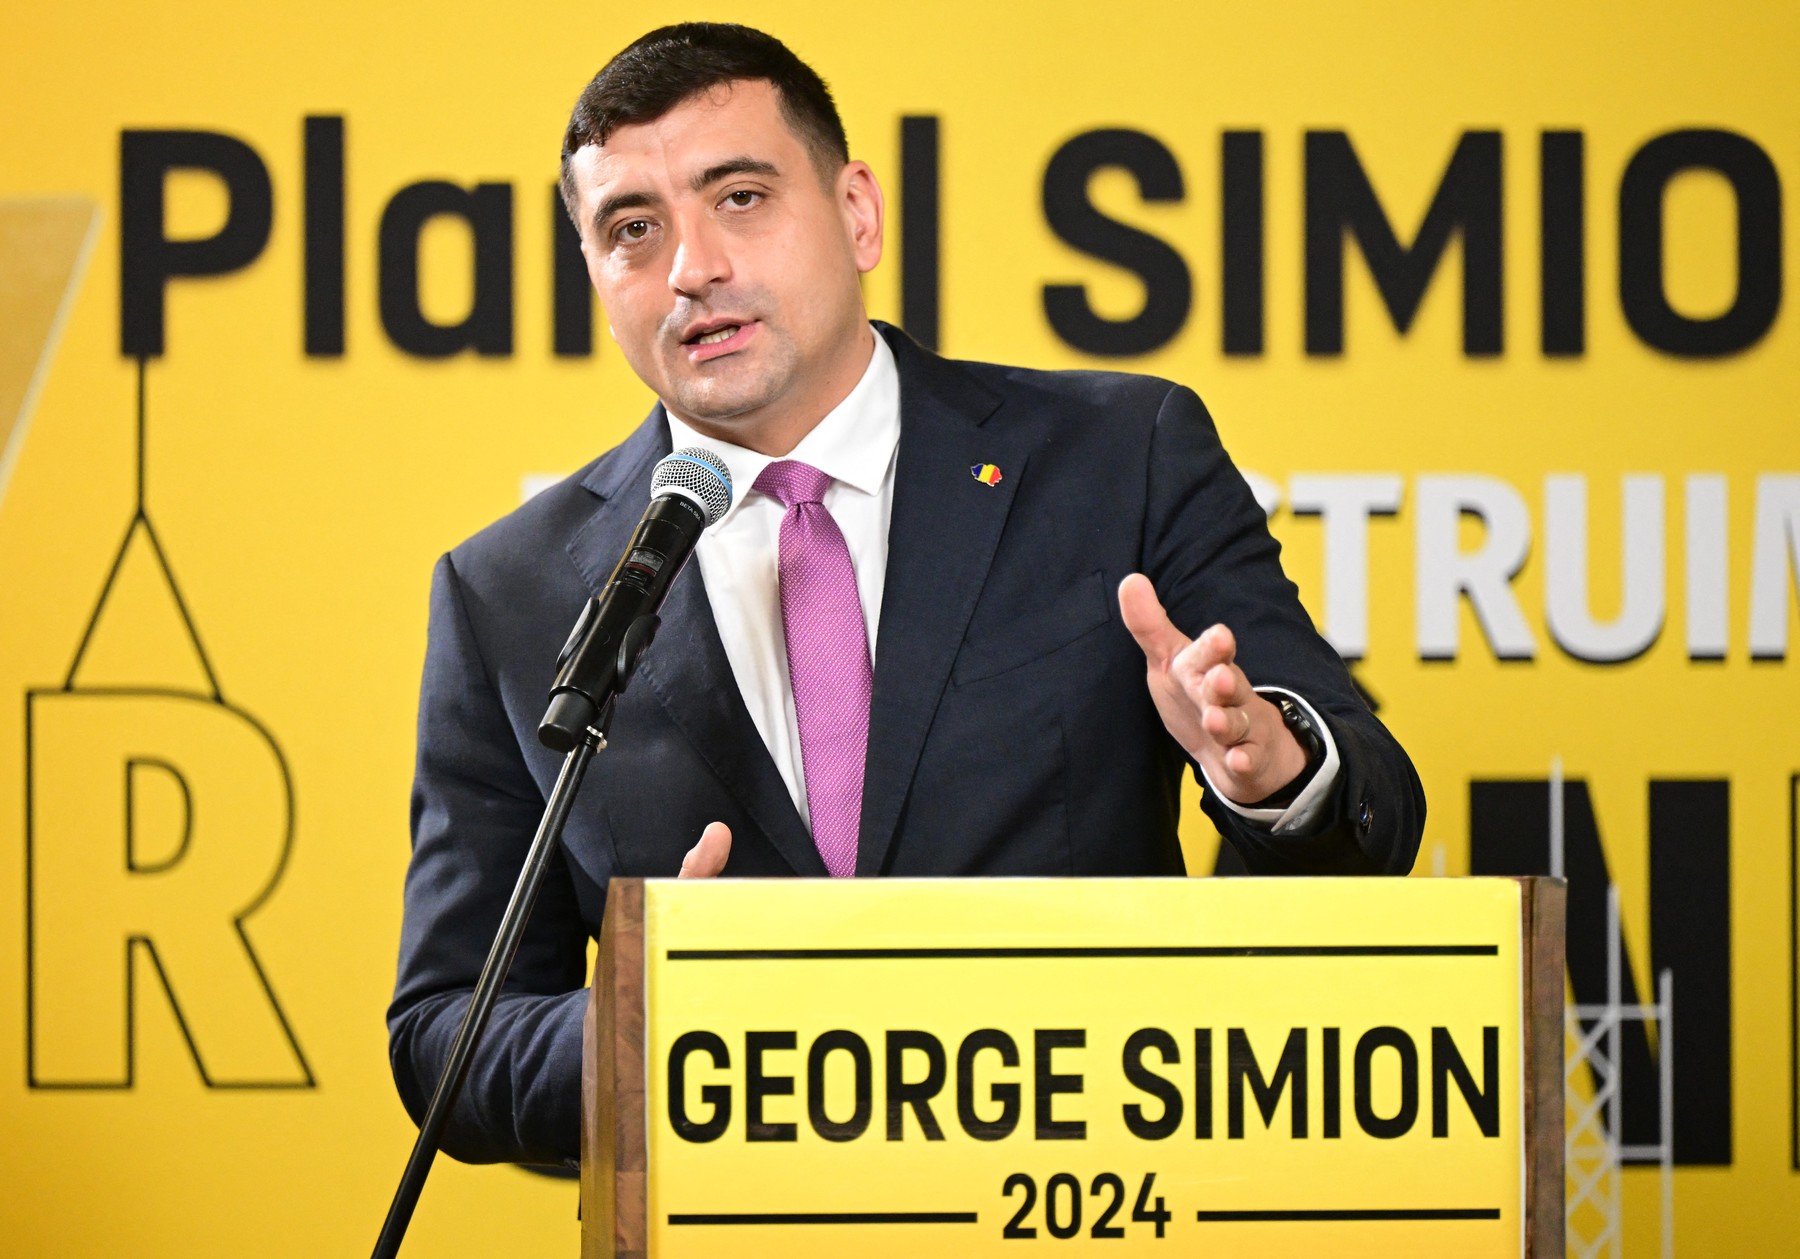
point(1312, 801)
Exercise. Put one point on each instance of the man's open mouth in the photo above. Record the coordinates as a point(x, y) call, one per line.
point(713, 331)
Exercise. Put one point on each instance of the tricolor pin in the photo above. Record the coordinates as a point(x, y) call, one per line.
point(986, 473)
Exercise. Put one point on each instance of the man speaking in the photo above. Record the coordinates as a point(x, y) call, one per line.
point(942, 630)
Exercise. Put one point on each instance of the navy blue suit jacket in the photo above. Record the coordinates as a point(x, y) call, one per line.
point(1010, 730)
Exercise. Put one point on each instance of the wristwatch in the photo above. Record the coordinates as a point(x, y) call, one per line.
point(1306, 734)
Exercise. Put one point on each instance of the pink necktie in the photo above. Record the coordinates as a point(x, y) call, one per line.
point(828, 658)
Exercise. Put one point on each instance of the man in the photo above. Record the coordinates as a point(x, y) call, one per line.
point(900, 654)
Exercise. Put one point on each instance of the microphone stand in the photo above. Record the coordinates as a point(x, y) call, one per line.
point(594, 668)
point(487, 986)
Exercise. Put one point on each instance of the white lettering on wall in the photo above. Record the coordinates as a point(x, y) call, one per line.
point(1708, 558)
point(1446, 574)
point(1487, 575)
point(1774, 564)
point(1346, 502)
point(1568, 610)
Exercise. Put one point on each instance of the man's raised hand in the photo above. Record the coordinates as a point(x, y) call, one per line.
point(1207, 703)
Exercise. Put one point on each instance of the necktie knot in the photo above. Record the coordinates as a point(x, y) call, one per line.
point(790, 482)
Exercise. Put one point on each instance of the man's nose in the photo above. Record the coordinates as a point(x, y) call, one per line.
point(700, 260)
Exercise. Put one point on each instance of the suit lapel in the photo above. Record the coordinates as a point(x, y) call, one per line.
point(686, 669)
point(945, 527)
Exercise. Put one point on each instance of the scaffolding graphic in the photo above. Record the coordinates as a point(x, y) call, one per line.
point(1593, 1149)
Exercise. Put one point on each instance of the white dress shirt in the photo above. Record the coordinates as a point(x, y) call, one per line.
point(854, 445)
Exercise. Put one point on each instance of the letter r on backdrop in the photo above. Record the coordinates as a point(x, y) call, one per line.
point(157, 822)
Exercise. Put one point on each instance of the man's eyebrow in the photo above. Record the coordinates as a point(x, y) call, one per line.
point(621, 201)
point(744, 165)
point(732, 166)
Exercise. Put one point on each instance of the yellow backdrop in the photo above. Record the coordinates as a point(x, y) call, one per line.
point(1571, 548)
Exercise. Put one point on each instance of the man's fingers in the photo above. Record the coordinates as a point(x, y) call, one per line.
point(1226, 684)
point(1205, 670)
point(1221, 642)
point(706, 859)
point(1216, 686)
point(1214, 647)
point(1204, 698)
point(1229, 726)
point(1143, 614)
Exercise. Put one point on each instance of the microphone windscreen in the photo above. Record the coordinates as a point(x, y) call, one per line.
point(698, 474)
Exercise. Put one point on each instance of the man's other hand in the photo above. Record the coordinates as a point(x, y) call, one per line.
point(1207, 703)
point(707, 858)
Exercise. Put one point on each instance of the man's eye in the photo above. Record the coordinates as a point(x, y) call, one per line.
point(741, 198)
point(636, 229)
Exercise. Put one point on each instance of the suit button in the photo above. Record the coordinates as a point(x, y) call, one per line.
point(1365, 818)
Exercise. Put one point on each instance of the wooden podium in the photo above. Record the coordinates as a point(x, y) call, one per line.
point(1159, 1066)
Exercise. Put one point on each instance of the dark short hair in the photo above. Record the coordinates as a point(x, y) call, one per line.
point(660, 70)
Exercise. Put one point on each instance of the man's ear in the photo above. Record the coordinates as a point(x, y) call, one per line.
point(865, 212)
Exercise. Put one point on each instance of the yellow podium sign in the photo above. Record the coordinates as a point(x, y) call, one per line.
point(1267, 1067)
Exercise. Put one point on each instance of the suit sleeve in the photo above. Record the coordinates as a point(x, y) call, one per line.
point(475, 807)
point(1209, 552)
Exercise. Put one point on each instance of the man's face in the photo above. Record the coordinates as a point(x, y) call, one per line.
point(728, 264)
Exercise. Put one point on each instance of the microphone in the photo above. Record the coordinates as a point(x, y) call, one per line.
point(689, 490)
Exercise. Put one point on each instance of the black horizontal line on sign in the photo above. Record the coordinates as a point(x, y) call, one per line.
point(1176, 951)
point(829, 1217)
point(1308, 1217)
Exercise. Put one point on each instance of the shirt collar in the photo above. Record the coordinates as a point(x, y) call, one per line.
point(854, 444)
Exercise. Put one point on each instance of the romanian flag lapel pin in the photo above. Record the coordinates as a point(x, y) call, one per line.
point(986, 473)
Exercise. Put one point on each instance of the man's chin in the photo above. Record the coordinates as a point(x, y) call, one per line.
point(711, 405)
point(733, 388)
